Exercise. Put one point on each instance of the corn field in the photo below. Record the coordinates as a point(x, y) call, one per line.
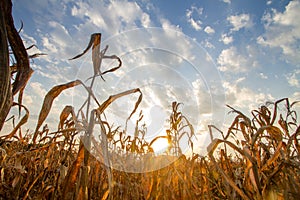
point(256, 158)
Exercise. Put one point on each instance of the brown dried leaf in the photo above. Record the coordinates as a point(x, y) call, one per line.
point(71, 177)
point(48, 100)
point(93, 41)
point(274, 157)
point(65, 114)
point(112, 98)
point(114, 68)
point(21, 122)
point(275, 133)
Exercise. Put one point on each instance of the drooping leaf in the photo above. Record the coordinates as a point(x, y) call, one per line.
point(65, 114)
point(48, 100)
point(93, 41)
point(112, 98)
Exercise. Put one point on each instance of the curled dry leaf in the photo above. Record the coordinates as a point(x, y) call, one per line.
point(95, 44)
point(65, 114)
point(97, 55)
point(112, 98)
point(48, 100)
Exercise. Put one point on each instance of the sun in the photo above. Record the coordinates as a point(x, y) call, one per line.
point(160, 145)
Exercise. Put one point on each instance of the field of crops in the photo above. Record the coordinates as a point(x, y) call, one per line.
point(256, 158)
point(262, 164)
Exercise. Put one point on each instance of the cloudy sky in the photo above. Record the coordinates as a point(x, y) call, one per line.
point(205, 54)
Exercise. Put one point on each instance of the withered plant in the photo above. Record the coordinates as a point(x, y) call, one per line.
point(256, 158)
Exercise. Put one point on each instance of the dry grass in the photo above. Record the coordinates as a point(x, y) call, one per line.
point(257, 158)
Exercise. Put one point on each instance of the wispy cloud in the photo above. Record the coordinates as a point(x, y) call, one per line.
point(227, 1)
point(293, 78)
point(226, 39)
point(242, 97)
point(209, 30)
point(38, 89)
point(230, 60)
point(110, 17)
point(282, 30)
point(263, 76)
point(207, 44)
point(240, 21)
point(196, 23)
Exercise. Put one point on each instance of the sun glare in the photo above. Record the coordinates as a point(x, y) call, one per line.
point(160, 145)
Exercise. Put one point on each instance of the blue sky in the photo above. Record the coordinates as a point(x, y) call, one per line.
point(254, 49)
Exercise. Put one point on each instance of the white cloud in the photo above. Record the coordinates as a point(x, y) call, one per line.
point(194, 9)
point(49, 47)
point(208, 44)
point(195, 23)
point(128, 15)
point(146, 21)
point(38, 89)
point(282, 30)
point(85, 10)
point(240, 21)
point(166, 24)
point(110, 17)
point(27, 100)
point(28, 40)
point(61, 41)
point(296, 97)
point(263, 76)
point(226, 39)
point(209, 30)
point(227, 1)
point(199, 90)
point(293, 81)
point(244, 98)
point(269, 2)
point(231, 61)
point(57, 43)
point(293, 78)
point(241, 79)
